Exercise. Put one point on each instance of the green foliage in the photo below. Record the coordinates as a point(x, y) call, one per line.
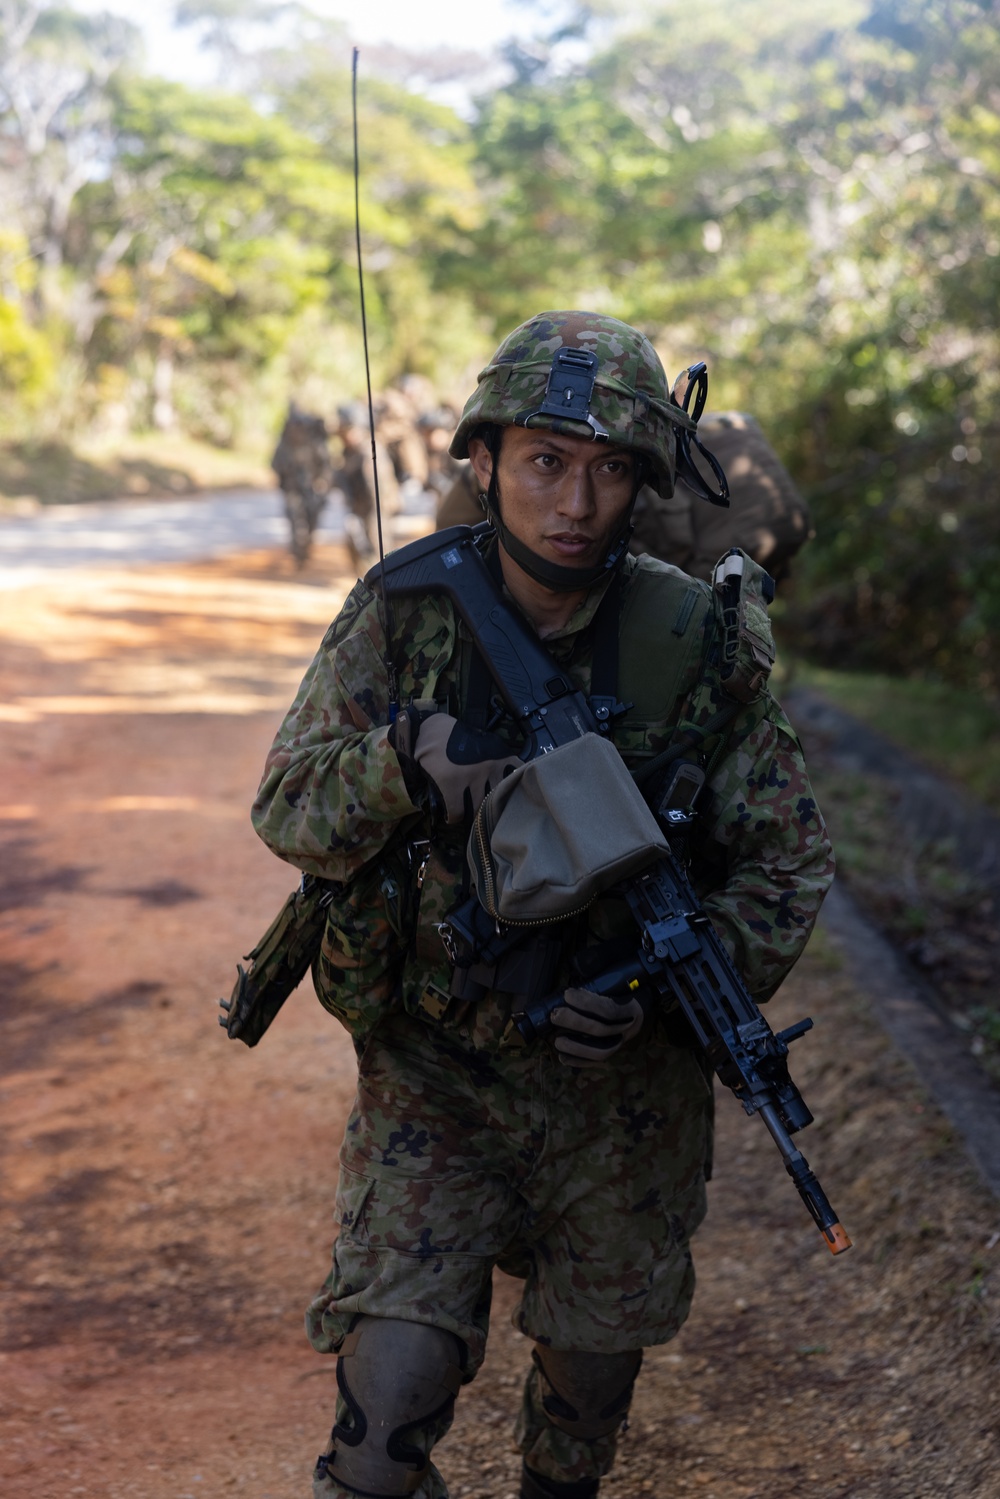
point(954, 729)
point(921, 893)
point(806, 197)
point(26, 356)
point(26, 360)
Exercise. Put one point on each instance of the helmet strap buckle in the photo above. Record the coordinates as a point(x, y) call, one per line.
point(568, 393)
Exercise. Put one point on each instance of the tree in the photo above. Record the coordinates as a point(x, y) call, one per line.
point(55, 68)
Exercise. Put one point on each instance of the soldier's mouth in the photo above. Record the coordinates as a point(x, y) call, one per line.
point(570, 543)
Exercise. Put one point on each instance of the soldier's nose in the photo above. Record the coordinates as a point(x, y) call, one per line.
point(577, 494)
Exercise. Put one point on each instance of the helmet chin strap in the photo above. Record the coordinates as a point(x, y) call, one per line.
point(552, 574)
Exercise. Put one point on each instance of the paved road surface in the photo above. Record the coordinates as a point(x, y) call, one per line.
point(34, 547)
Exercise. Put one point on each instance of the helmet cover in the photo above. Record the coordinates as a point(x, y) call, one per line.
point(630, 399)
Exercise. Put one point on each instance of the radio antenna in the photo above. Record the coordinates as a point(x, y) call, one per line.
point(387, 623)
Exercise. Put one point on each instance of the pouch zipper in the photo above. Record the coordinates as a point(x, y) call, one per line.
point(486, 869)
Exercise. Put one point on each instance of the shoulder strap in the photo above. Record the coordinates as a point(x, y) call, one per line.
point(477, 685)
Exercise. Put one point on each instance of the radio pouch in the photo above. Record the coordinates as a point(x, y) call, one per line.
point(742, 590)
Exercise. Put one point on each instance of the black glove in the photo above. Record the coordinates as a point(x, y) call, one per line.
point(462, 764)
point(595, 1026)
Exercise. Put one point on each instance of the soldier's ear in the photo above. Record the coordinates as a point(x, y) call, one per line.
point(482, 461)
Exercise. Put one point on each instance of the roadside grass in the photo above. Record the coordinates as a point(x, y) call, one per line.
point(943, 919)
point(952, 729)
point(152, 465)
point(916, 891)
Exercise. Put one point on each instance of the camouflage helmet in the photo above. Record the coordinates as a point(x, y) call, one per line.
point(585, 375)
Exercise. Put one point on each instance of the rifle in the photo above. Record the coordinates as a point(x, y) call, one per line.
point(679, 953)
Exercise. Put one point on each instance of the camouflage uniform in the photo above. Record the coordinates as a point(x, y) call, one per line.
point(462, 1151)
point(466, 1148)
point(355, 478)
point(301, 463)
point(398, 428)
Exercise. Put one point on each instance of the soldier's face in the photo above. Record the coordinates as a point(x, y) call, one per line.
point(563, 497)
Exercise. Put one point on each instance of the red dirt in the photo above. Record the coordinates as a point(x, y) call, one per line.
point(168, 1193)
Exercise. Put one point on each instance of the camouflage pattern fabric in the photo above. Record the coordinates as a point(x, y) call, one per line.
point(460, 1156)
point(334, 791)
point(355, 478)
point(302, 457)
point(302, 465)
point(396, 417)
point(631, 398)
point(443, 471)
point(768, 518)
point(465, 1150)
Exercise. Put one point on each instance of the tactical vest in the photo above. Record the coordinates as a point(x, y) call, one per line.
point(660, 648)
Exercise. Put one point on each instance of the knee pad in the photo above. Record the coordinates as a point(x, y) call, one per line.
point(394, 1376)
point(587, 1395)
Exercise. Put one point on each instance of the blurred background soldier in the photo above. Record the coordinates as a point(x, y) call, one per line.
point(356, 481)
point(304, 472)
point(767, 517)
point(397, 416)
point(460, 505)
point(437, 427)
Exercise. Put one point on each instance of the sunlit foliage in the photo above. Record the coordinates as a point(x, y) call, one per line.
point(805, 195)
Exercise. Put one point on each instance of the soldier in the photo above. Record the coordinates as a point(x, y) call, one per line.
point(437, 427)
point(302, 465)
point(355, 478)
point(397, 419)
point(577, 1165)
point(462, 502)
point(768, 517)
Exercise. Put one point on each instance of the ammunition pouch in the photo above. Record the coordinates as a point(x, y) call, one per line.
point(353, 936)
point(278, 963)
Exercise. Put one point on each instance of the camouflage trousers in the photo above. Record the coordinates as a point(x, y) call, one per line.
point(586, 1184)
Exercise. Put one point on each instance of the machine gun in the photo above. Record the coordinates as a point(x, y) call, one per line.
point(679, 952)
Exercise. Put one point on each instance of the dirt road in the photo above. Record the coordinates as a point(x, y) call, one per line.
point(167, 1194)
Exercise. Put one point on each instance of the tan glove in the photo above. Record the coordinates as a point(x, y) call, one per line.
point(595, 1026)
point(462, 763)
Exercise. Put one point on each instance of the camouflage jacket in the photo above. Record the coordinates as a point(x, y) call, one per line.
point(302, 457)
point(334, 799)
point(356, 479)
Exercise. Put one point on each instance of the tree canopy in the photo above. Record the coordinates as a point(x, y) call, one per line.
point(807, 197)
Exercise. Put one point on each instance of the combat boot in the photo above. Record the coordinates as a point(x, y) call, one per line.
point(534, 1486)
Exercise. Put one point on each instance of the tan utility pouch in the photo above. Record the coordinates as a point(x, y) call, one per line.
point(557, 832)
